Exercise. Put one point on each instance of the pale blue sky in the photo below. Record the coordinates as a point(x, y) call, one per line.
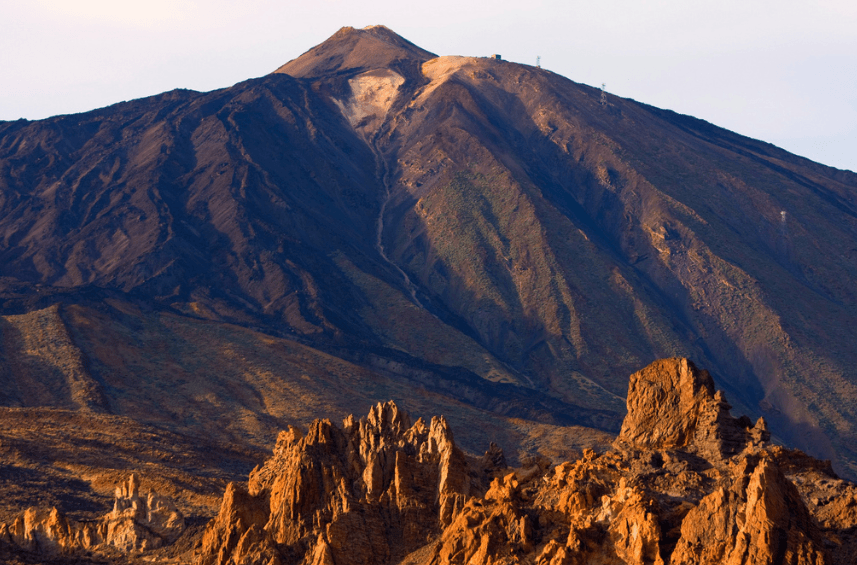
point(781, 71)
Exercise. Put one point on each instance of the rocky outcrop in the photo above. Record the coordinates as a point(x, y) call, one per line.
point(369, 492)
point(831, 501)
point(686, 484)
point(758, 518)
point(673, 405)
point(135, 524)
point(616, 509)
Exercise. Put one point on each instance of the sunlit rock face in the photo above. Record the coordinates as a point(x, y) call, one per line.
point(673, 405)
point(367, 492)
point(686, 483)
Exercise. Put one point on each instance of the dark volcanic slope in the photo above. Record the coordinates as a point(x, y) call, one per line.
point(230, 199)
point(455, 212)
point(611, 234)
point(607, 235)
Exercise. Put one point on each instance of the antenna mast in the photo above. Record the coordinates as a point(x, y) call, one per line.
point(539, 61)
point(603, 94)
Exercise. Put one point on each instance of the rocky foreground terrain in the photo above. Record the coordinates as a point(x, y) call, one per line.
point(684, 483)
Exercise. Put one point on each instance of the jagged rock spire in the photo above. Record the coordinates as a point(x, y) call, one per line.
point(360, 494)
point(673, 405)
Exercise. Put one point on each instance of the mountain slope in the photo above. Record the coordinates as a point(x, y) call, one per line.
point(615, 233)
point(451, 214)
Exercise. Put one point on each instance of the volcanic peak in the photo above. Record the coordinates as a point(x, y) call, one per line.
point(351, 50)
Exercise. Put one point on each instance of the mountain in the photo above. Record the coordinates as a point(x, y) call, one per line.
point(468, 236)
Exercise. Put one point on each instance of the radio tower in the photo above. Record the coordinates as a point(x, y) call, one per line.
point(603, 94)
point(539, 61)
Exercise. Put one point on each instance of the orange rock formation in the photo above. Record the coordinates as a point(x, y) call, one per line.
point(135, 524)
point(367, 493)
point(686, 484)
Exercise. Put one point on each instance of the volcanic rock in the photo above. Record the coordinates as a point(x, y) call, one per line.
point(686, 483)
point(368, 492)
point(759, 518)
point(135, 524)
point(673, 405)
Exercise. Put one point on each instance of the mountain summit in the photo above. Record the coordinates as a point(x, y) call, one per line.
point(475, 237)
point(355, 50)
